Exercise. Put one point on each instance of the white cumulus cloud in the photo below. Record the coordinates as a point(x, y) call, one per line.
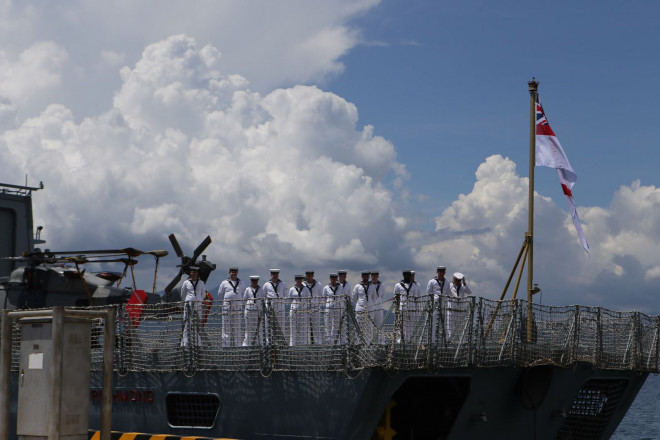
point(275, 44)
point(481, 234)
point(288, 178)
point(35, 70)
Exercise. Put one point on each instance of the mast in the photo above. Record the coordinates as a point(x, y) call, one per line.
point(529, 236)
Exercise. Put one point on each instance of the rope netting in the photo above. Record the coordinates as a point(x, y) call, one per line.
point(317, 334)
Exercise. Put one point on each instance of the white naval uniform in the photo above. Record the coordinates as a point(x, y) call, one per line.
point(276, 292)
point(416, 292)
point(362, 293)
point(438, 288)
point(334, 307)
point(348, 295)
point(230, 295)
point(376, 306)
point(299, 315)
point(420, 303)
point(454, 307)
point(254, 307)
point(405, 291)
point(366, 296)
point(317, 334)
point(193, 295)
point(348, 290)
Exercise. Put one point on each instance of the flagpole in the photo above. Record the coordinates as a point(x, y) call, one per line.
point(533, 91)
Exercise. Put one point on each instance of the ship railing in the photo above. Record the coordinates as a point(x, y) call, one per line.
point(412, 333)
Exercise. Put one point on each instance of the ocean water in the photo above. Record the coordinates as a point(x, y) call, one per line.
point(642, 422)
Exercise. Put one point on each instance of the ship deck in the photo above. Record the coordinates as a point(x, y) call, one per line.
point(570, 372)
point(420, 335)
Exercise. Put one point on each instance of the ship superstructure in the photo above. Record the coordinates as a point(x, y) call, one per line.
point(16, 229)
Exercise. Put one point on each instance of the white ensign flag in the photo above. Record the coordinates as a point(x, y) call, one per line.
point(549, 153)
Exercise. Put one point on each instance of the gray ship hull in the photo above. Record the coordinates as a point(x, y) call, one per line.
point(460, 403)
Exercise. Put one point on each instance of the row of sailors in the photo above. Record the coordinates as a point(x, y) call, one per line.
point(305, 317)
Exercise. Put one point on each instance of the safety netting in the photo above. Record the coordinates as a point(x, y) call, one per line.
point(321, 334)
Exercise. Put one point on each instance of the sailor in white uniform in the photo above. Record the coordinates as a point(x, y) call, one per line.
point(419, 305)
point(317, 334)
point(458, 290)
point(345, 285)
point(403, 290)
point(416, 285)
point(438, 286)
point(366, 295)
point(334, 305)
point(417, 292)
point(276, 293)
point(254, 297)
point(376, 306)
point(192, 292)
point(230, 295)
point(299, 313)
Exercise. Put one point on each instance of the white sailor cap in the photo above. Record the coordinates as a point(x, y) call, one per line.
point(334, 275)
point(254, 277)
point(299, 277)
point(342, 272)
point(375, 272)
point(412, 272)
point(441, 268)
point(407, 271)
point(233, 269)
point(274, 271)
point(309, 272)
point(195, 268)
point(458, 275)
point(366, 272)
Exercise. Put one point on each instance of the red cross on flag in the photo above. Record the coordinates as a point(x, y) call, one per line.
point(549, 153)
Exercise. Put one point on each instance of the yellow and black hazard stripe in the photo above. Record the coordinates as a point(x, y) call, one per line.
point(96, 435)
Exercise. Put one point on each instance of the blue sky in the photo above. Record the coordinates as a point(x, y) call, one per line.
point(447, 84)
point(341, 134)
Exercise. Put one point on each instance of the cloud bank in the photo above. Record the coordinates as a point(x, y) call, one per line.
point(73, 50)
point(289, 178)
point(482, 233)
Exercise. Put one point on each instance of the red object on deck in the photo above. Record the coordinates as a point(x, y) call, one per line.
point(134, 306)
point(206, 305)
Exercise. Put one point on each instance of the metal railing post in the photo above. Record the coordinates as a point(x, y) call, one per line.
point(55, 378)
point(122, 346)
point(576, 335)
point(517, 337)
point(599, 339)
point(637, 362)
point(106, 392)
point(653, 352)
point(5, 374)
point(509, 331)
point(480, 349)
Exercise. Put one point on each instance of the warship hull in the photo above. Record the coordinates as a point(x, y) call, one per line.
point(574, 378)
point(456, 403)
point(497, 403)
